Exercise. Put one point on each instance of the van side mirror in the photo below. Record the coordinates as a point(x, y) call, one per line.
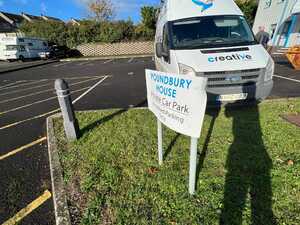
point(160, 51)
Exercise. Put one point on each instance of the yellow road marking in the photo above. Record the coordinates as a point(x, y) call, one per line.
point(23, 148)
point(28, 209)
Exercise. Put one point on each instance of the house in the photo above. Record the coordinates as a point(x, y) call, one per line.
point(74, 22)
point(49, 18)
point(10, 22)
point(282, 16)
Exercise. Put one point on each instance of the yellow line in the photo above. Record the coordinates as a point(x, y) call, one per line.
point(28, 209)
point(22, 148)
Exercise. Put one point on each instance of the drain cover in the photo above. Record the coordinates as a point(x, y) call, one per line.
point(294, 119)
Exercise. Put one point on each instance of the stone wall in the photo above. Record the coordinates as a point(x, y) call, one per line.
point(117, 49)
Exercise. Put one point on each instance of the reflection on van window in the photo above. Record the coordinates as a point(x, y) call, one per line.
point(12, 47)
point(211, 32)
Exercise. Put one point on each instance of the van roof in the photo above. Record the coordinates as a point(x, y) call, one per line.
point(180, 9)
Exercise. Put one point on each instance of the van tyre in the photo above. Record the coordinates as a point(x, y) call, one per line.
point(21, 58)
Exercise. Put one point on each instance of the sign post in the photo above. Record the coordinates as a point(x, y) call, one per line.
point(160, 142)
point(178, 102)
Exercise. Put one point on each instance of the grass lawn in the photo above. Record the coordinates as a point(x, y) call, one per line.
point(248, 172)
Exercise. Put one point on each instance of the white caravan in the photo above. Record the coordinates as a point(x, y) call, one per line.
point(20, 48)
point(213, 39)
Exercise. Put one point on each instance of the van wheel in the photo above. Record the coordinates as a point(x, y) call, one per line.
point(21, 58)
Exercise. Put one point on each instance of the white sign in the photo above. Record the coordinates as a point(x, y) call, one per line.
point(178, 101)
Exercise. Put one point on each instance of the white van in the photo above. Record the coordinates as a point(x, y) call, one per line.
point(21, 48)
point(213, 39)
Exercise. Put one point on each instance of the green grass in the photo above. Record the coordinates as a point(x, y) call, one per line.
point(113, 176)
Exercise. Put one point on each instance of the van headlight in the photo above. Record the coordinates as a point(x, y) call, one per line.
point(269, 70)
point(186, 70)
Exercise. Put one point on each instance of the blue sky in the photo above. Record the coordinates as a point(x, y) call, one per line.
point(66, 9)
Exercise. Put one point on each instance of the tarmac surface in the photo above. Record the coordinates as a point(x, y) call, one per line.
point(27, 98)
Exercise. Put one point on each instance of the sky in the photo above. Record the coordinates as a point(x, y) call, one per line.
point(66, 9)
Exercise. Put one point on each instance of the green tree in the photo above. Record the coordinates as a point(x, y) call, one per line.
point(249, 8)
point(146, 29)
point(148, 14)
point(52, 31)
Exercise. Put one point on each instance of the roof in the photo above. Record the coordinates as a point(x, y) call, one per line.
point(6, 26)
point(30, 18)
point(178, 9)
point(16, 19)
point(51, 18)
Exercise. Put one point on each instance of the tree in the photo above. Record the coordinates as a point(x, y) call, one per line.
point(52, 31)
point(148, 14)
point(146, 30)
point(249, 8)
point(102, 10)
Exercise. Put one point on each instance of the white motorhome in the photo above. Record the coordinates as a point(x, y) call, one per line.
point(213, 39)
point(21, 48)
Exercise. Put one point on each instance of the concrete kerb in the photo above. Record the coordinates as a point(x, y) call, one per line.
point(105, 58)
point(26, 66)
point(62, 215)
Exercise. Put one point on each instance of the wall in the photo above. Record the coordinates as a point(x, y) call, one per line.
point(117, 49)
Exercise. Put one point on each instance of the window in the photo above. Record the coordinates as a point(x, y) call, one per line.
point(12, 47)
point(211, 32)
point(30, 44)
point(22, 48)
point(21, 40)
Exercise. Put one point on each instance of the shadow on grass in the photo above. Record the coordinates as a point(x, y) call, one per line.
point(248, 165)
point(171, 145)
point(95, 124)
point(214, 113)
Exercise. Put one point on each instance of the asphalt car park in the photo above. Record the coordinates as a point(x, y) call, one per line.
point(27, 98)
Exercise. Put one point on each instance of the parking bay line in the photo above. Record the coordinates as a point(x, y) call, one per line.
point(286, 78)
point(29, 208)
point(38, 102)
point(13, 83)
point(48, 90)
point(62, 64)
point(54, 111)
point(24, 147)
point(108, 61)
point(21, 85)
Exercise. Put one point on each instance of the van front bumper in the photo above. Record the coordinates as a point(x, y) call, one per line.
point(255, 91)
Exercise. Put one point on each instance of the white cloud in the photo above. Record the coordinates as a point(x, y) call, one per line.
point(43, 7)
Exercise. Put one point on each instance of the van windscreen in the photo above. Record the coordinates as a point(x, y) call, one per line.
point(211, 32)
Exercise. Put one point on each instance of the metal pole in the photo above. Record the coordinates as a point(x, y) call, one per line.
point(160, 142)
point(193, 165)
point(67, 110)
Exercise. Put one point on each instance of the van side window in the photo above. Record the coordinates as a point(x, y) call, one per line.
point(22, 48)
point(165, 41)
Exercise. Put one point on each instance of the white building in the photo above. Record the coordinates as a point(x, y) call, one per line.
point(270, 14)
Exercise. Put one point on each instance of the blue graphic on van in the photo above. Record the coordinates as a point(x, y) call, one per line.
point(205, 4)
